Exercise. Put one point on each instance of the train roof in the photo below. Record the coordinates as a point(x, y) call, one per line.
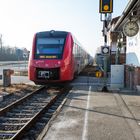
point(53, 33)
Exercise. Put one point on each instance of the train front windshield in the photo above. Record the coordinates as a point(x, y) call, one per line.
point(49, 48)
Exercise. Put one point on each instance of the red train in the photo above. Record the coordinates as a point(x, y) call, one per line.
point(56, 56)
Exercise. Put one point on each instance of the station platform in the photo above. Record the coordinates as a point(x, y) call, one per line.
point(90, 114)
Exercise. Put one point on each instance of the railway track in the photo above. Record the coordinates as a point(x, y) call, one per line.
point(25, 118)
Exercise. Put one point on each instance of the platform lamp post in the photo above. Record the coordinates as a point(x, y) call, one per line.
point(105, 9)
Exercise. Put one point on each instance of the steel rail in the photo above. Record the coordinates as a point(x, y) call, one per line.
point(26, 127)
point(32, 101)
point(12, 105)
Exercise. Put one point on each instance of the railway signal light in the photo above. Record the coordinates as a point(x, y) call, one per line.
point(106, 6)
point(98, 74)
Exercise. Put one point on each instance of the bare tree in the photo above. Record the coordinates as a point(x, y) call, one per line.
point(1, 43)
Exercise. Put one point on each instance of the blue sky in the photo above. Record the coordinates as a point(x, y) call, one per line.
point(20, 19)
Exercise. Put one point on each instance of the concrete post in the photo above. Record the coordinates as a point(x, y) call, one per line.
point(6, 77)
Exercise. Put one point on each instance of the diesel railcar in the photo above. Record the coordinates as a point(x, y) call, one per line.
point(56, 56)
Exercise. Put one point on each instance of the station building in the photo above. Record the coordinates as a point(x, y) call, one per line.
point(124, 39)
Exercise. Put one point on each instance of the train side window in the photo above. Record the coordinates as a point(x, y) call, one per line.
point(74, 48)
point(78, 51)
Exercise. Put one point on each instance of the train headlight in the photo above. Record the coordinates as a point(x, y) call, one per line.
point(59, 62)
point(46, 65)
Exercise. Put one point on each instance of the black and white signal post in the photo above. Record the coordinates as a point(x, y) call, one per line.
point(105, 9)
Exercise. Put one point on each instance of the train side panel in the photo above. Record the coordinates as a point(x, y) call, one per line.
point(67, 69)
point(31, 68)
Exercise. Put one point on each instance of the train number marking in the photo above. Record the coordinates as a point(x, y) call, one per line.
point(43, 74)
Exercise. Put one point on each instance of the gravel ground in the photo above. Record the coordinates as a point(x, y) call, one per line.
point(14, 92)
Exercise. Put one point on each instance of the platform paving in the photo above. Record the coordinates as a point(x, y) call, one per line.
point(90, 114)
